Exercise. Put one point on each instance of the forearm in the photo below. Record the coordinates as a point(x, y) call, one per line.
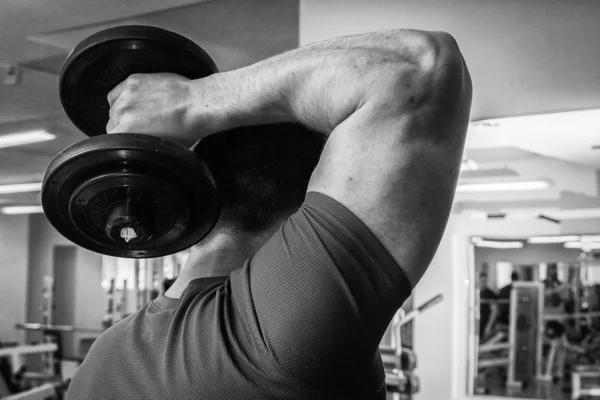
point(319, 85)
point(493, 317)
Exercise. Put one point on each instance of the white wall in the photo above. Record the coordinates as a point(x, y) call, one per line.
point(42, 239)
point(517, 50)
point(433, 336)
point(13, 274)
point(88, 295)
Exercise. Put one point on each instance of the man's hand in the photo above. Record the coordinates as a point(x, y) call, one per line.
point(164, 105)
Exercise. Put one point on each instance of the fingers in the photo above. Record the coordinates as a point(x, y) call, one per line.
point(111, 126)
point(131, 81)
point(114, 98)
point(118, 127)
point(115, 114)
point(116, 92)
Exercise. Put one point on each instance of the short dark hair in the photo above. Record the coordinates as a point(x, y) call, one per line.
point(167, 283)
point(261, 171)
point(514, 276)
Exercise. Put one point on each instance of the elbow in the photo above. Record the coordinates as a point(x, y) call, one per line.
point(429, 69)
point(437, 59)
point(438, 50)
point(441, 72)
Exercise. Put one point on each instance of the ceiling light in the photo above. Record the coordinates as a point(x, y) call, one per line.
point(15, 210)
point(502, 186)
point(493, 244)
point(590, 238)
point(18, 139)
point(543, 122)
point(469, 165)
point(583, 246)
point(21, 188)
point(552, 239)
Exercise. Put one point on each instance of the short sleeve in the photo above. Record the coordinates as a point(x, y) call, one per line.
point(320, 294)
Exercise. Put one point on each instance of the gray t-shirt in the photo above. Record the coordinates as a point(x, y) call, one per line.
point(301, 319)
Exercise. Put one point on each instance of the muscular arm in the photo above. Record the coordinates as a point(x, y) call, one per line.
point(493, 317)
point(317, 297)
point(396, 105)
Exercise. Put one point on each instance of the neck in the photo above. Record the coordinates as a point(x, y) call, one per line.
point(214, 257)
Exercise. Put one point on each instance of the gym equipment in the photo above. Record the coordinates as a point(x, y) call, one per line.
point(525, 352)
point(42, 392)
point(56, 328)
point(399, 361)
point(494, 344)
point(14, 373)
point(15, 353)
point(47, 307)
point(581, 374)
point(111, 316)
point(127, 195)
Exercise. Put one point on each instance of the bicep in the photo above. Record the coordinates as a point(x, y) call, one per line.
point(394, 163)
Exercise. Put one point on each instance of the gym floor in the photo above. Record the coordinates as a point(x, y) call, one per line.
point(533, 390)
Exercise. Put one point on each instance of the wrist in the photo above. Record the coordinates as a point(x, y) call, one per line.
point(236, 98)
point(208, 109)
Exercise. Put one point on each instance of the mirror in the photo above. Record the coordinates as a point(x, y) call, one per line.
point(534, 326)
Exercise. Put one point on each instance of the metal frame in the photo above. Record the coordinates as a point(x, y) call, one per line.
point(15, 353)
point(510, 381)
point(577, 390)
point(41, 392)
point(472, 323)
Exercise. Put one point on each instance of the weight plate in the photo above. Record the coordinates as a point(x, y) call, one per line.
point(107, 58)
point(130, 195)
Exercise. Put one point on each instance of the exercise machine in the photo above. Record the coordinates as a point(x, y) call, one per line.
point(399, 361)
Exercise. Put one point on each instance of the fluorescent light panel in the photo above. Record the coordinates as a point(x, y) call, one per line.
point(583, 119)
point(19, 139)
point(21, 188)
point(502, 186)
point(583, 245)
point(15, 210)
point(552, 239)
point(499, 245)
point(495, 244)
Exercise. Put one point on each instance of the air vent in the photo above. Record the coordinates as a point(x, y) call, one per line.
point(496, 215)
point(549, 219)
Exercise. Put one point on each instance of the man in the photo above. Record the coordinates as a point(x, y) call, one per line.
point(288, 297)
point(504, 300)
point(553, 288)
point(488, 309)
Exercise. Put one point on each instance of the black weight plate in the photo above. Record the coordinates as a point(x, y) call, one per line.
point(87, 180)
point(107, 58)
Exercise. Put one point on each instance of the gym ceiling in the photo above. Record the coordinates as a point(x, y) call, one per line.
point(526, 57)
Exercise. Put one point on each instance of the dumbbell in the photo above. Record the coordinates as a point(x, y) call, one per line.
point(127, 195)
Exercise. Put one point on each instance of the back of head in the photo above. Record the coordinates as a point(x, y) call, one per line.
point(514, 276)
point(261, 172)
point(483, 279)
